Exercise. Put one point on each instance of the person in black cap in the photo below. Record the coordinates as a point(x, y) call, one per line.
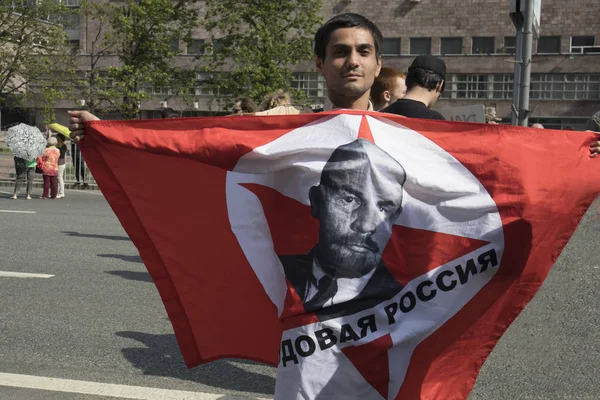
point(425, 83)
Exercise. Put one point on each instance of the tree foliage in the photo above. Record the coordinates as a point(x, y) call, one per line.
point(253, 44)
point(143, 35)
point(91, 83)
point(32, 48)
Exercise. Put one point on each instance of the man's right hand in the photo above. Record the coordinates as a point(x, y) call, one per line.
point(76, 122)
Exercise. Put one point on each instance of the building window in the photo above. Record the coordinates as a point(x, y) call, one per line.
point(74, 46)
point(312, 83)
point(218, 45)
point(391, 47)
point(419, 46)
point(510, 45)
point(174, 46)
point(201, 88)
point(149, 88)
point(196, 47)
point(483, 45)
point(548, 45)
point(584, 44)
point(502, 87)
point(543, 86)
point(109, 84)
point(451, 46)
point(565, 86)
point(71, 21)
point(468, 86)
point(472, 86)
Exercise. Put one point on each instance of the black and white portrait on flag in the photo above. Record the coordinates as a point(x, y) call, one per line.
point(348, 170)
point(357, 201)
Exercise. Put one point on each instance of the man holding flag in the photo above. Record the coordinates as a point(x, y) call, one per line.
point(459, 222)
point(347, 53)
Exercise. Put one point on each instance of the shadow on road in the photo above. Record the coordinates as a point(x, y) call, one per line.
point(122, 257)
point(161, 357)
point(132, 275)
point(94, 236)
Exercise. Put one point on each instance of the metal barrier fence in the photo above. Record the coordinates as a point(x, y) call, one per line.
point(76, 170)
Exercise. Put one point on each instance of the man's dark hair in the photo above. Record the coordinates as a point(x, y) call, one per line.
point(424, 78)
point(349, 20)
point(168, 112)
point(247, 105)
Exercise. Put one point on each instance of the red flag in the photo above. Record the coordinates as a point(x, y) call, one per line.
point(442, 233)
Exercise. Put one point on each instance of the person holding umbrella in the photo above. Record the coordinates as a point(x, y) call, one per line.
point(25, 170)
point(26, 143)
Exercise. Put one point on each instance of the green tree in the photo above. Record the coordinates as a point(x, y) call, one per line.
point(144, 35)
point(253, 44)
point(91, 82)
point(32, 48)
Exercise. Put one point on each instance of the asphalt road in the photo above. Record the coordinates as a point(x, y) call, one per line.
point(100, 319)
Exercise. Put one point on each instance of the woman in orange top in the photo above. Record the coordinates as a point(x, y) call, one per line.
point(50, 169)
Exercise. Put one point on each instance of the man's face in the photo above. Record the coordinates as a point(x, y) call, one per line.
point(357, 209)
point(399, 90)
point(351, 64)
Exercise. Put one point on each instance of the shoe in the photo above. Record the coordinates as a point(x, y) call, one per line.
point(44, 198)
point(28, 197)
point(59, 196)
point(14, 197)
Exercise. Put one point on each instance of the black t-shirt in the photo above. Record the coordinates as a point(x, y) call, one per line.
point(63, 152)
point(412, 109)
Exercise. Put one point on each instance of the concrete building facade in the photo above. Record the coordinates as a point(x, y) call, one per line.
point(476, 38)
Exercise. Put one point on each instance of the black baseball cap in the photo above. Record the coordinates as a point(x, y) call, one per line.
point(430, 63)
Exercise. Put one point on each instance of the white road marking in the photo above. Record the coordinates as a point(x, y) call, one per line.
point(105, 389)
point(17, 212)
point(8, 274)
point(88, 191)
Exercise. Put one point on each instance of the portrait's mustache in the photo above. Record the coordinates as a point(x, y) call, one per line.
point(362, 241)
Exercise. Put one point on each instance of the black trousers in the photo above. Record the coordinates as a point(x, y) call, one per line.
point(23, 173)
point(78, 163)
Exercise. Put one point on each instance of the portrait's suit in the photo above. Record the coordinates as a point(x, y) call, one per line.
point(381, 287)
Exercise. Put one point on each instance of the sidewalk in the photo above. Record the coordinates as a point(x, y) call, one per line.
point(39, 184)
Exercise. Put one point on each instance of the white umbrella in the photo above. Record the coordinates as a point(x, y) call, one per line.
point(25, 141)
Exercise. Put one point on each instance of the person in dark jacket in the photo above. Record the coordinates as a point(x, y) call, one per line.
point(425, 83)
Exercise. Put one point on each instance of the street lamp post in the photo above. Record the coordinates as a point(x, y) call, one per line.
point(525, 83)
point(522, 14)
